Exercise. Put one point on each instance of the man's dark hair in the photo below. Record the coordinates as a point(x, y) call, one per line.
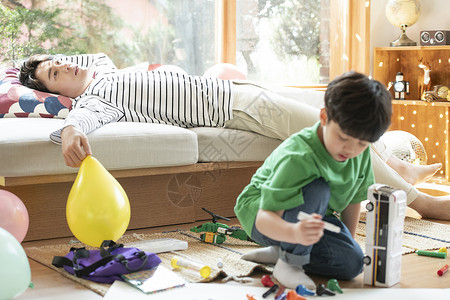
point(27, 74)
point(359, 105)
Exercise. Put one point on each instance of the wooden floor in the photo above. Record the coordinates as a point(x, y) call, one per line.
point(417, 272)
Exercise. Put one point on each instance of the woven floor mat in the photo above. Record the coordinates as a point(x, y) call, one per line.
point(229, 252)
point(418, 234)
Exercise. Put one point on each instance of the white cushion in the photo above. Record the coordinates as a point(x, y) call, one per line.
point(220, 144)
point(26, 149)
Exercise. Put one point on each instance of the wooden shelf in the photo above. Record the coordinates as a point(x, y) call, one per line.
point(421, 103)
point(390, 60)
point(428, 121)
point(413, 48)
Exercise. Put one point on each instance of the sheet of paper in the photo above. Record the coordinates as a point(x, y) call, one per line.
point(154, 280)
point(191, 291)
point(216, 291)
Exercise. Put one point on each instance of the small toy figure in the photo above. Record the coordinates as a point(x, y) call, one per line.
point(401, 87)
point(425, 83)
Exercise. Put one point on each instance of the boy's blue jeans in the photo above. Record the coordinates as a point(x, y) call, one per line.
point(336, 255)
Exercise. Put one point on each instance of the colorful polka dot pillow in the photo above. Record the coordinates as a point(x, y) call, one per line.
point(18, 101)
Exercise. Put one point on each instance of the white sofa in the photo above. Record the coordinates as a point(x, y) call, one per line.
point(169, 173)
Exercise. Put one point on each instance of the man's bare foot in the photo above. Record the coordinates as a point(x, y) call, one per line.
point(432, 207)
point(411, 173)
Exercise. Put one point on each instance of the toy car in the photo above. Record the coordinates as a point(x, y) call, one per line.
point(384, 235)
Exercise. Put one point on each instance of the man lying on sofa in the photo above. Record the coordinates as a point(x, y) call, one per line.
point(103, 94)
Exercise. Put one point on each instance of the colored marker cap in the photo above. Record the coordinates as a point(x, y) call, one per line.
point(267, 281)
point(442, 270)
point(333, 285)
point(443, 249)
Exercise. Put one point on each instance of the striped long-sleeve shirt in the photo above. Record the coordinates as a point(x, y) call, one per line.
point(147, 96)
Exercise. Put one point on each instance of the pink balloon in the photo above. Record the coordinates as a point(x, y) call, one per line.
point(13, 215)
point(225, 71)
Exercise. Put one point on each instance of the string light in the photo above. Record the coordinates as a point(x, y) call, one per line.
point(442, 141)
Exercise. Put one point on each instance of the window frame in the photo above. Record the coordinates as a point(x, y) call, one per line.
point(349, 49)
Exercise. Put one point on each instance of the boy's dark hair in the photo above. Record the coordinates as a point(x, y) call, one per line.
point(27, 74)
point(360, 106)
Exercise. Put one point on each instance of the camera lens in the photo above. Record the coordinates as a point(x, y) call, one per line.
point(439, 36)
point(425, 37)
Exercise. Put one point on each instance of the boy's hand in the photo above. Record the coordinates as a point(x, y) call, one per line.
point(309, 231)
point(75, 146)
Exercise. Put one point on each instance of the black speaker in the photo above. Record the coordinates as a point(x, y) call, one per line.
point(435, 37)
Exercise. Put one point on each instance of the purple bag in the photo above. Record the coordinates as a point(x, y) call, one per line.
point(107, 264)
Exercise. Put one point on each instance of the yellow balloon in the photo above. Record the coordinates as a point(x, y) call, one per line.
point(97, 208)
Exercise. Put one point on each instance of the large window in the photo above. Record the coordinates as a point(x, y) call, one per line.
point(283, 42)
point(177, 32)
point(273, 41)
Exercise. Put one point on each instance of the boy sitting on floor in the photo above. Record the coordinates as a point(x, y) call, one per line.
point(323, 170)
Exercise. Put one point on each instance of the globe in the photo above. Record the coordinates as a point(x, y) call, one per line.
point(402, 14)
point(405, 146)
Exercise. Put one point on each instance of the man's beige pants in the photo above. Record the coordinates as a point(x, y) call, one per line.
point(259, 110)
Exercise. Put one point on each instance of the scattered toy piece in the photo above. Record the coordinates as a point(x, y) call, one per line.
point(219, 263)
point(442, 270)
point(280, 292)
point(333, 285)
point(282, 296)
point(271, 290)
point(432, 253)
point(292, 295)
point(267, 281)
point(322, 290)
point(204, 270)
point(443, 249)
point(250, 297)
point(304, 291)
point(237, 279)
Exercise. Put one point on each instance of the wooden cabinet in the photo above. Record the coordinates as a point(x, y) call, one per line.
point(428, 121)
